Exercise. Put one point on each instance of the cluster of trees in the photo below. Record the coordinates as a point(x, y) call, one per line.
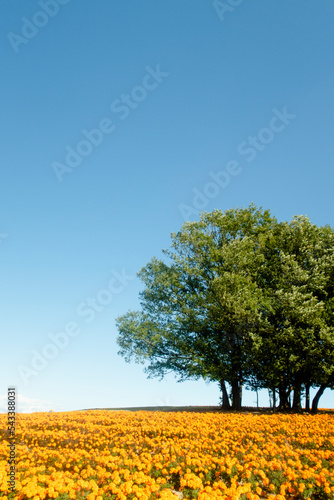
point(243, 300)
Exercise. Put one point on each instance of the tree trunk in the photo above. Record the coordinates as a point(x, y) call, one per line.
point(317, 397)
point(296, 406)
point(289, 396)
point(307, 397)
point(236, 395)
point(283, 398)
point(274, 398)
point(225, 401)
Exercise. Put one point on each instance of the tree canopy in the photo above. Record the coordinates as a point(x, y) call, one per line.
point(240, 299)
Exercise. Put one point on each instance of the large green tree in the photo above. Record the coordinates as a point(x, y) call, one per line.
point(201, 309)
point(297, 346)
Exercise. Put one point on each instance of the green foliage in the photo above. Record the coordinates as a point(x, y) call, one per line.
point(298, 346)
point(241, 298)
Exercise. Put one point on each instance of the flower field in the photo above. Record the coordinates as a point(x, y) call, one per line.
point(148, 455)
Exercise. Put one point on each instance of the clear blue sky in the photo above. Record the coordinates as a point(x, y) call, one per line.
point(181, 91)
